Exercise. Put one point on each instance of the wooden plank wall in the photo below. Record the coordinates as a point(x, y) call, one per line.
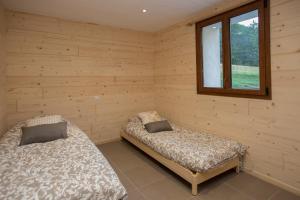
point(96, 76)
point(270, 127)
point(2, 71)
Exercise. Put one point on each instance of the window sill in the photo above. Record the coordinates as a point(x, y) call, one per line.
point(235, 93)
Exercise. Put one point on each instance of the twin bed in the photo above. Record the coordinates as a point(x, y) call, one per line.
point(194, 156)
point(71, 168)
point(74, 168)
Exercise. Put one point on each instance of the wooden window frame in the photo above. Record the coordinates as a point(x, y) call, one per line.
point(264, 91)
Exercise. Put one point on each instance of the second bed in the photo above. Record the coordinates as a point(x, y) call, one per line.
point(194, 156)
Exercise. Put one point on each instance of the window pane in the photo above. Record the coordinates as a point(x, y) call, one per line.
point(244, 38)
point(212, 55)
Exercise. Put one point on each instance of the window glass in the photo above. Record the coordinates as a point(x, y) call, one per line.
point(244, 44)
point(233, 52)
point(212, 55)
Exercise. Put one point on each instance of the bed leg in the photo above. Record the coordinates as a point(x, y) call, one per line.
point(194, 189)
point(237, 169)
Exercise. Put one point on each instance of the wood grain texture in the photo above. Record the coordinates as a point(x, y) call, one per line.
point(270, 128)
point(2, 71)
point(96, 76)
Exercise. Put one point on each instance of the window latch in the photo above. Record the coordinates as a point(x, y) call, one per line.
point(265, 3)
point(267, 91)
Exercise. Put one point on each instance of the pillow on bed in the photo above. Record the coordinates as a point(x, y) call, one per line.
point(154, 127)
point(148, 117)
point(43, 133)
point(51, 119)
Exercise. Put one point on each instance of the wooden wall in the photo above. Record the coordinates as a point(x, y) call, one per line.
point(270, 127)
point(97, 76)
point(2, 71)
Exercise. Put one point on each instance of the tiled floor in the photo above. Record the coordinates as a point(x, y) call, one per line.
point(146, 179)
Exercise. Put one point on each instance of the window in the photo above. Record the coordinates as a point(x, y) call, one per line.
point(233, 52)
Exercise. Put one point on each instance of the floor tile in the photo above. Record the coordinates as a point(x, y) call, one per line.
point(219, 191)
point(135, 195)
point(117, 149)
point(252, 186)
point(132, 191)
point(124, 179)
point(283, 195)
point(167, 189)
point(127, 163)
point(144, 175)
point(124, 159)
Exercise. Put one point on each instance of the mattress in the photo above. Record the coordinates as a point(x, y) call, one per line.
point(196, 151)
point(71, 168)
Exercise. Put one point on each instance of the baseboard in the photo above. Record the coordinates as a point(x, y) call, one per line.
point(273, 181)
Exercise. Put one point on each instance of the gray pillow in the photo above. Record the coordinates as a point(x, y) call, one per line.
point(158, 126)
point(43, 133)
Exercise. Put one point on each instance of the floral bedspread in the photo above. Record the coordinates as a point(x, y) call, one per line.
point(194, 150)
point(71, 168)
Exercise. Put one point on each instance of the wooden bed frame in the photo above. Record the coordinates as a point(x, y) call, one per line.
point(194, 178)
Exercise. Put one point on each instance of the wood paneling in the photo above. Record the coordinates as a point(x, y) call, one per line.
point(269, 127)
point(2, 71)
point(96, 76)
